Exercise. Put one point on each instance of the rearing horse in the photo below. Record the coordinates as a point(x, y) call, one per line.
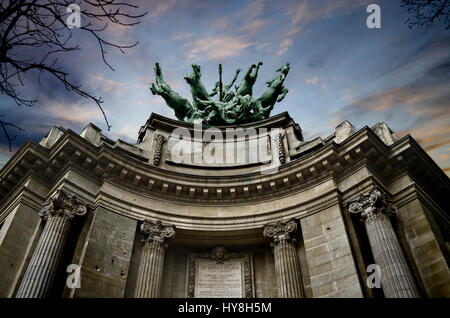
point(246, 87)
point(197, 88)
point(180, 105)
point(276, 91)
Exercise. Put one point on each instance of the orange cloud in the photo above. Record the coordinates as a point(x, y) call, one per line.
point(313, 80)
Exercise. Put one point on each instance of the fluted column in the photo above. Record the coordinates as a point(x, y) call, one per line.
point(287, 267)
point(396, 278)
point(58, 211)
point(154, 236)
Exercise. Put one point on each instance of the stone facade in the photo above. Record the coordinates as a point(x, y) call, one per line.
point(306, 220)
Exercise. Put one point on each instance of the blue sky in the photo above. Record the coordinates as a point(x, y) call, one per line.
point(340, 69)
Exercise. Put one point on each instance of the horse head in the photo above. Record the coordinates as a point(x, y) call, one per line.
point(195, 75)
point(285, 69)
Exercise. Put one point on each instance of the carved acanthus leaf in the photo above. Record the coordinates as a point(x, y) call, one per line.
point(156, 231)
point(373, 202)
point(281, 231)
point(60, 203)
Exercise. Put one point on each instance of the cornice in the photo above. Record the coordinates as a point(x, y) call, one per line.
point(232, 222)
point(107, 163)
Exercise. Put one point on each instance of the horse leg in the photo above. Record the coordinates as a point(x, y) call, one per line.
point(234, 79)
point(257, 69)
point(250, 69)
point(158, 74)
point(284, 91)
point(154, 90)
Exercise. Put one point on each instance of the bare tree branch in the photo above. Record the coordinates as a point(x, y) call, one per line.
point(38, 28)
point(424, 13)
point(4, 125)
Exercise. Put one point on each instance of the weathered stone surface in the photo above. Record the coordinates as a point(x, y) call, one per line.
point(329, 256)
point(427, 254)
point(107, 254)
point(16, 238)
point(265, 277)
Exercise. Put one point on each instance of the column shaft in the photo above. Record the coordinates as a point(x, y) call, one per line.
point(287, 267)
point(150, 271)
point(41, 270)
point(154, 236)
point(396, 277)
point(287, 270)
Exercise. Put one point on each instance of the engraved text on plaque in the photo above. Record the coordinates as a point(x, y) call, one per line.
point(218, 280)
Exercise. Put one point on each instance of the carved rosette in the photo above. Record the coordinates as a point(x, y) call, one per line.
point(62, 204)
point(280, 146)
point(159, 139)
point(369, 205)
point(156, 232)
point(280, 233)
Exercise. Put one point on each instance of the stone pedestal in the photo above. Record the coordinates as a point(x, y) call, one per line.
point(151, 265)
point(396, 278)
point(58, 212)
point(287, 266)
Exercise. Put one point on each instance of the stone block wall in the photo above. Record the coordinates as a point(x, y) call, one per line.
point(264, 274)
point(331, 266)
point(104, 267)
point(174, 274)
point(17, 235)
point(425, 249)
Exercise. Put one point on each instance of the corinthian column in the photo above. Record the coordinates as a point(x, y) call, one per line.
point(287, 267)
point(396, 278)
point(154, 236)
point(58, 211)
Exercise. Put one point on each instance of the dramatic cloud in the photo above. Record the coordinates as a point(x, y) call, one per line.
point(420, 108)
point(217, 48)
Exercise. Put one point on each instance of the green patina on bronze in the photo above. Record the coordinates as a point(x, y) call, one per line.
point(231, 107)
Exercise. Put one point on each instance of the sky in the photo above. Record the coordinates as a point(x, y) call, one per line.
point(340, 69)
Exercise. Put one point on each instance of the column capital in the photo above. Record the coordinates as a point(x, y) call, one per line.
point(280, 232)
point(63, 204)
point(156, 231)
point(372, 203)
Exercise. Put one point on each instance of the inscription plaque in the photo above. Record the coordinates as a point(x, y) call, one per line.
point(220, 274)
point(218, 280)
